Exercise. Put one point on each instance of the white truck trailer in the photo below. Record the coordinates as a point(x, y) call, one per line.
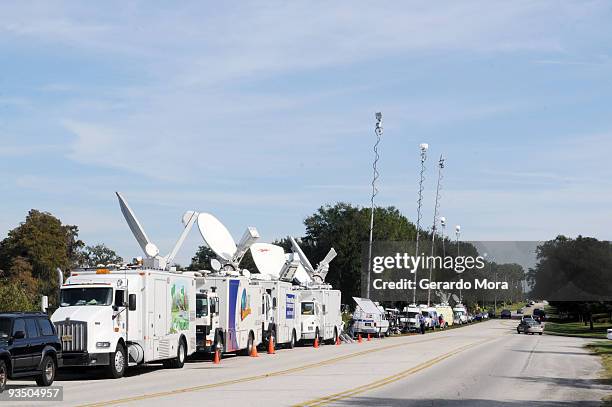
point(281, 316)
point(320, 313)
point(124, 317)
point(233, 321)
point(369, 318)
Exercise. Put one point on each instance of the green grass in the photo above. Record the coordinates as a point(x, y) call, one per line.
point(603, 349)
point(578, 329)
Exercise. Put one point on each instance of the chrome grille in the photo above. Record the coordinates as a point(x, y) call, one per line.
point(73, 335)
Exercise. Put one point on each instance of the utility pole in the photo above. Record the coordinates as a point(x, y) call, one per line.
point(457, 233)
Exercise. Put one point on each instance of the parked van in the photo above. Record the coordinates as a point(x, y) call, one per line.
point(460, 314)
point(281, 320)
point(409, 319)
point(447, 314)
point(368, 318)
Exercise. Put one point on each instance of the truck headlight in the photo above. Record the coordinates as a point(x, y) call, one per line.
point(102, 344)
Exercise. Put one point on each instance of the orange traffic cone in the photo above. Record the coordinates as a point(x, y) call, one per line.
point(217, 357)
point(271, 346)
point(316, 342)
point(337, 340)
point(369, 339)
point(359, 338)
point(254, 351)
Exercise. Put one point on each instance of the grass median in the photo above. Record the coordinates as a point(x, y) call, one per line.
point(603, 349)
point(577, 329)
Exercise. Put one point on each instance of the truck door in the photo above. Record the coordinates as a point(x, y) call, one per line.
point(161, 309)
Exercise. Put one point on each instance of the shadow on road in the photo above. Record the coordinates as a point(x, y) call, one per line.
point(375, 401)
point(566, 382)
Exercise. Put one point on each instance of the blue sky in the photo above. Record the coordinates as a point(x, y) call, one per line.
point(260, 113)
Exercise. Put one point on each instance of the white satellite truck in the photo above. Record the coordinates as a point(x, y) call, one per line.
point(277, 272)
point(369, 319)
point(410, 318)
point(320, 314)
point(124, 316)
point(229, 308)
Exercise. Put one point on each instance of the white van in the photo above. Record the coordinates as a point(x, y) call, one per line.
point(460, 314)
point(447, 314)
point(124, 317)
point(409, 319)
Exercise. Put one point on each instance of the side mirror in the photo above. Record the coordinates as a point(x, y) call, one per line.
point(132, 302)
point(19, 335)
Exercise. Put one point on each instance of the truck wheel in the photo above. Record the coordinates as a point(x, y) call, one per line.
point(3, 375)
point(517, 331)
point(48, 372)
point(250, 344)
point(293, 341)
point(116, 367)
point(181, 356)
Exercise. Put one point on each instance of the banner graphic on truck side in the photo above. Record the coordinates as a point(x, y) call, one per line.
point(232, 341)
point(290, 308)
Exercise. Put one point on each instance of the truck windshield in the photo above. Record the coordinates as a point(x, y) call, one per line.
point(5, 328)
point(201, 306)
point(307, 308)
point(70, 297)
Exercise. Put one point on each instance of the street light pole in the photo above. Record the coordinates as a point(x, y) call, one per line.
point(423, 147)
point(435, 222)
point(378, 130)
point(457, 233)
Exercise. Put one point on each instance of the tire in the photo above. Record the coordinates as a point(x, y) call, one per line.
point(48, 374)
point(292, 341)
point(181, 356)
point(3, 375)
point(540, 333)
point(517, 331)
point(118, 363)
point(250, 345)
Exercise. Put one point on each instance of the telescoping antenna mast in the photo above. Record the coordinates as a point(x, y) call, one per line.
point(378, 130)
point(435, 223)
point(423, 147)
point(153, 259)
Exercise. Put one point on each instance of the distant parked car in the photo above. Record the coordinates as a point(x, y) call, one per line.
point(505, 314)
point(609, 333)
point(491, 313)
point(478, 317)
point(29, 348)
point(539, 314)
point(529, 326)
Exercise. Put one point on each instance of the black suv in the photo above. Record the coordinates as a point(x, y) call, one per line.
point(29, 347)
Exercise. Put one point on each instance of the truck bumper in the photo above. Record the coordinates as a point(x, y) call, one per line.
point(308, 335)
point(84, 359)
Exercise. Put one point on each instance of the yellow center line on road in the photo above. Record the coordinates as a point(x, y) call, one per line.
point(387, 380)
point(258, 377)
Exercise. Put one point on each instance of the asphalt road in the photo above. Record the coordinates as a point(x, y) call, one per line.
point(486, 364)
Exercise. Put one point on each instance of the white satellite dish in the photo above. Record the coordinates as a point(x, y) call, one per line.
point(269, 258)
point(320, 272)
point(216, 236)
point(215, 264)
point(154, 260)
point(220, 240)
point(455, 298)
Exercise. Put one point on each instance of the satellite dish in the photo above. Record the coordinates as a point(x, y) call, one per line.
point(269, 258)
point(216, 236)
point(151, 250)
point(215, 264)
point(455, 298)
point(146, 245)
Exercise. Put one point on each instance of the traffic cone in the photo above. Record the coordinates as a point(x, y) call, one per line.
point(369, 339)
point(254, 352)
point(338, 340)
point(359, 338)
point(217, 357)
point(271, 346)
point(316, 342)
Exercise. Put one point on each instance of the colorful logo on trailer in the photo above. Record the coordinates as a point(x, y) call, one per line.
point(245, 308)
